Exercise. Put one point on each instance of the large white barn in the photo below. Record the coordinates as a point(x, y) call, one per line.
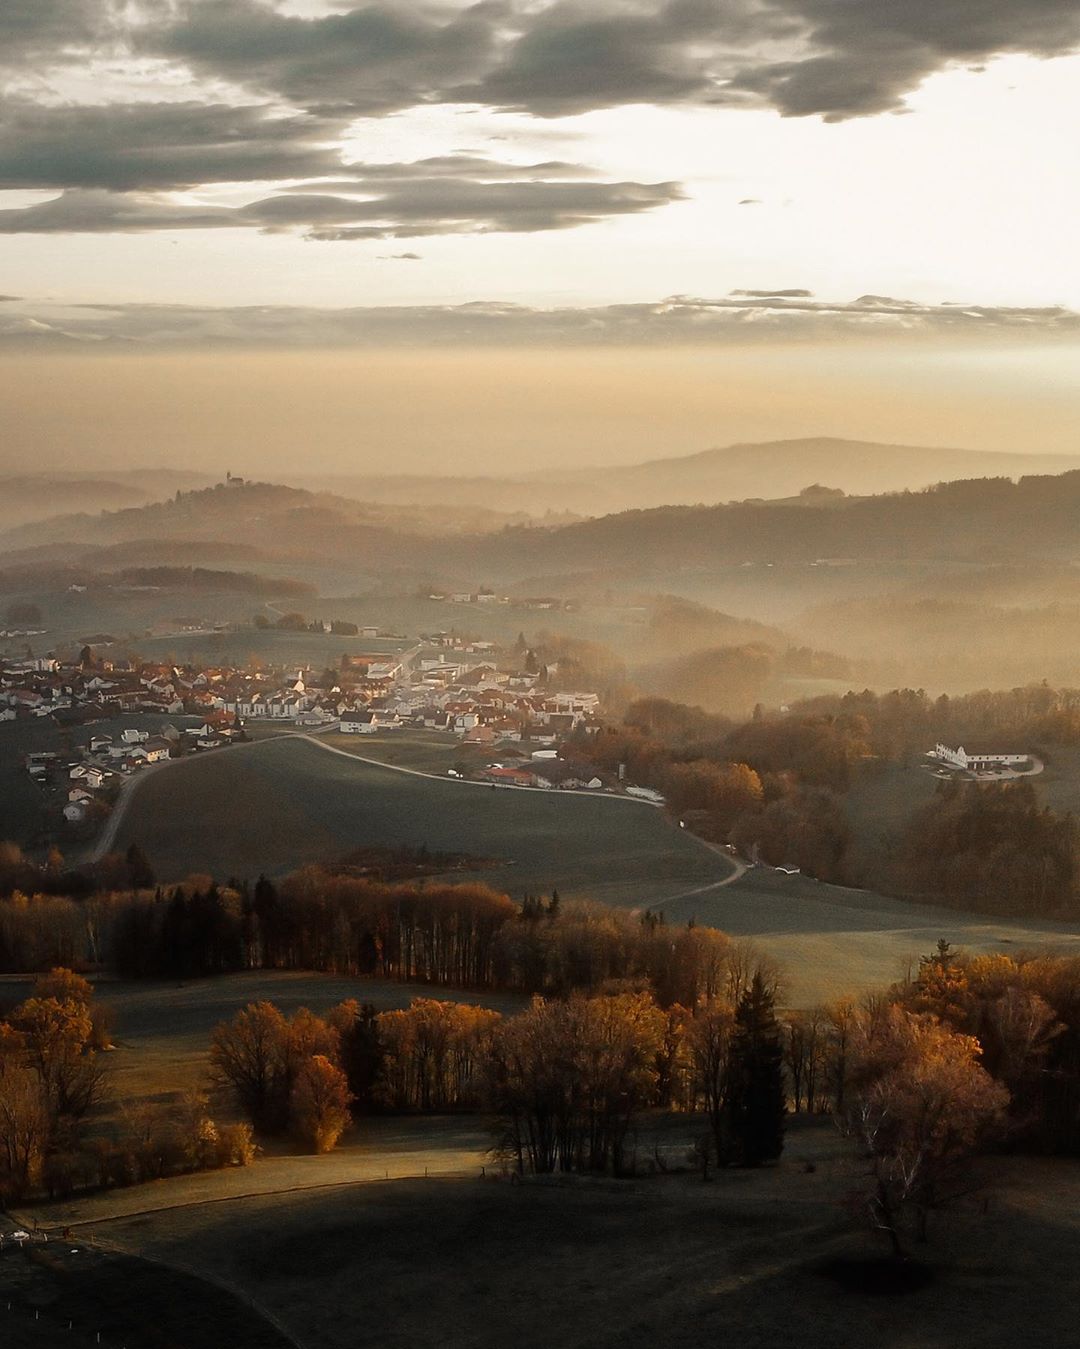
point(975, 763)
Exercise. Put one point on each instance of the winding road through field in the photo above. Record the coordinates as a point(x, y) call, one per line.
point(272, 810)
point(106, 842)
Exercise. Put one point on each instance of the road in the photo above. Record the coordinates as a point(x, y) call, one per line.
point(116, 819)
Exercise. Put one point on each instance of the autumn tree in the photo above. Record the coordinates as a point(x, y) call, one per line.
point(64, 985)
point(258, 1056)
point(841, 1020)
point(923, 1107)
point(433, 1053)
point(249, 1057)
point(25, 1130)
point(57, 1046)
point(567, 1078)
point(804, 1057)
point(319, 1104)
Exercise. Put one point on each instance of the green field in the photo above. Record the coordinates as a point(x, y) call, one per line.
point(278, 804)
point(426, 751)
point(832, 940)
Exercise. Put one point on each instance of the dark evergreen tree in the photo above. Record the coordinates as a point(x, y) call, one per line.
point(271, 923)
point(362, 1055)
point(140, 872)
point(756, 1100)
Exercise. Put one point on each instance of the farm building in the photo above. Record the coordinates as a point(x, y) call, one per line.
point(975, 763)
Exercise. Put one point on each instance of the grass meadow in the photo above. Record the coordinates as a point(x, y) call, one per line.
point(286, 802)
point(278, 804)
point(652, 1263)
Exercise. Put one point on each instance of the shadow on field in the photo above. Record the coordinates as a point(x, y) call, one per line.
point(71, 1294)
point(881, 1276)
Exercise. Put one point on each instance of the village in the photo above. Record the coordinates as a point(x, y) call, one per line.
point(114, 716)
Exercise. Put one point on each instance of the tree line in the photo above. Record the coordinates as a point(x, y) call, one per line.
point(993, 847)
point(773, 786)
point(776, 786)
point(563, 1081)
point(966, 1056)
point(925, 1079)
point(460, 936)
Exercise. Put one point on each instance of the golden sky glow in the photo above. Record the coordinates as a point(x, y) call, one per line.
point(571, 157)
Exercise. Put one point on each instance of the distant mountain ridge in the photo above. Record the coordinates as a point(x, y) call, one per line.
point(980, 520)
point(263, 516)
point(767, 470)
point(28, 497)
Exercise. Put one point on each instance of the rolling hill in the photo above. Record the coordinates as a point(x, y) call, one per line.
point(769, 470)
point(275, 805)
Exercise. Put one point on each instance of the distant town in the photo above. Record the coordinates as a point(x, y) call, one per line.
point(485, 696)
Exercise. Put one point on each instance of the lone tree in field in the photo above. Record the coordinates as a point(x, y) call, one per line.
point(924, 1108)
point(756, 1086)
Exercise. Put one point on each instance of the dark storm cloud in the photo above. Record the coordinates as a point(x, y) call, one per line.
point(680, 320)
point(158, 145)
point(836, 58)
point(413, 207)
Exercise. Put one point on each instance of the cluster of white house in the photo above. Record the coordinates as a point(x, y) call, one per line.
point(104, 761)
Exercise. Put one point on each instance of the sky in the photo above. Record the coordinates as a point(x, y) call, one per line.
point(478, 236)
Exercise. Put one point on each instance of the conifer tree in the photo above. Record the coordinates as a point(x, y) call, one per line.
point(757, 1077)
point(140, 872)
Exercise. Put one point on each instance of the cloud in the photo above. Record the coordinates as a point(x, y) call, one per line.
point(400, 257)
point(835, 58)
point(373, 59)
point(115, 162)
point(775, 294)
point(410, 204)
point(678, 320)
point(853, 61)
point(51, 28)
point(159, 145)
